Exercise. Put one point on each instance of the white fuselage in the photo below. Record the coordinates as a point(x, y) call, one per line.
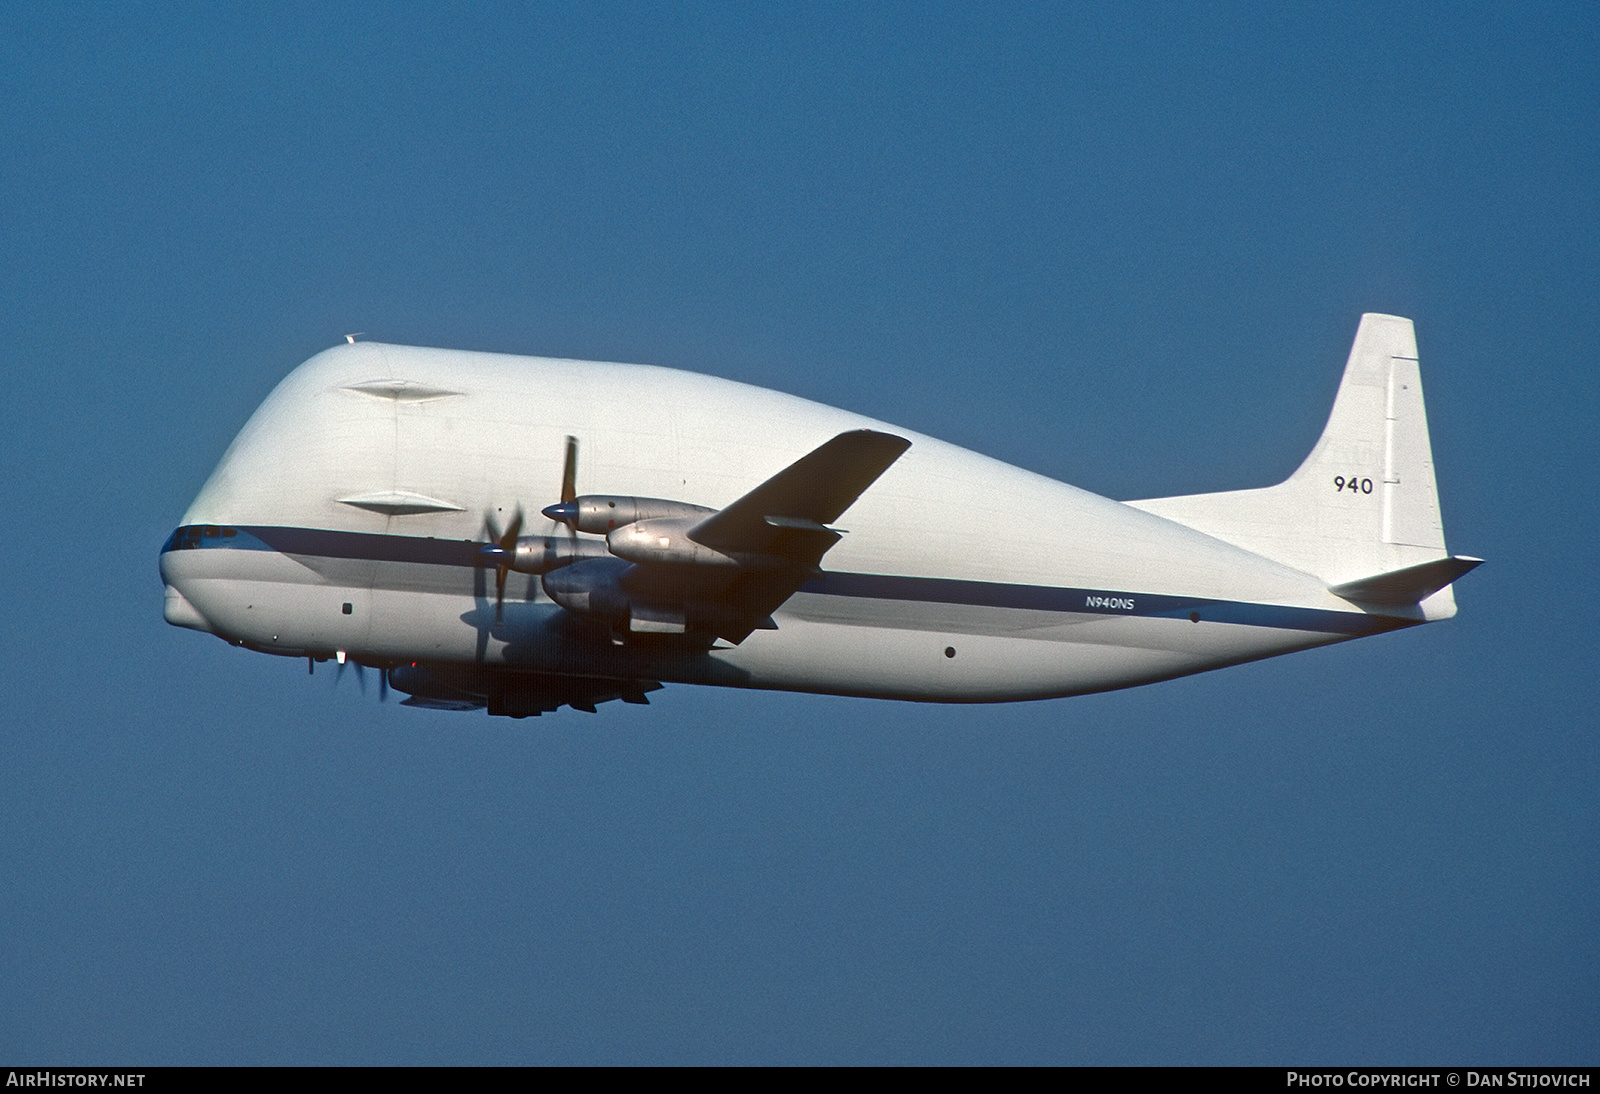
point(347, 513)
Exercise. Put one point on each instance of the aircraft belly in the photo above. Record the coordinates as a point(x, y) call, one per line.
point(864, 659)
point(1216, 643)
point(1227, 643)
point(388, 612)
point(999, 663)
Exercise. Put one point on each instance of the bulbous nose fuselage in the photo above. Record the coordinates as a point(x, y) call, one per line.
point(373, 509)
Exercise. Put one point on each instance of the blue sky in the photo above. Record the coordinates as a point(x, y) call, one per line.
point(1122, 245)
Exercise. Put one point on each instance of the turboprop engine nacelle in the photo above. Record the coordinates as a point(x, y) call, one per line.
point(600, 589)
point(591, 588)
point(599, 514)
point(667, 541)
point(633, 600)
point(541, 554)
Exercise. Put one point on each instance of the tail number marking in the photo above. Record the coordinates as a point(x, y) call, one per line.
point(1352, 484)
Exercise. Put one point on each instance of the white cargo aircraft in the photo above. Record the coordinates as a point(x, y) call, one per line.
point(374, 510)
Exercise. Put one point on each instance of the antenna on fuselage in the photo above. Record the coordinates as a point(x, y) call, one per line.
point(351, 338)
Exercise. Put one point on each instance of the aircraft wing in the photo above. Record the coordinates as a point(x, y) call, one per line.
point(789, 513)
point(787, 518)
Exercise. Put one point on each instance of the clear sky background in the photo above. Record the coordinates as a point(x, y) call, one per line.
point(1122, 245)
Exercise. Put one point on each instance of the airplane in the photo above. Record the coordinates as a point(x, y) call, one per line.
point(419, 511)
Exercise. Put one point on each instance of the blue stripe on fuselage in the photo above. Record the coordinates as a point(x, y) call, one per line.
point(378, 547)
point(1050, 598)
point(322, 543)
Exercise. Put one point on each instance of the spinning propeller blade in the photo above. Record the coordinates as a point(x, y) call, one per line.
point(566, 511)
point(361, 677)
point(502, 548)
point(569, 471)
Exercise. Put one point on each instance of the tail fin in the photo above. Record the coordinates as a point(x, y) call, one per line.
point(1364, 503)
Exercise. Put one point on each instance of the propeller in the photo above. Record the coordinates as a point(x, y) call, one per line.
point(361, 678)
point(361, 674)
point(566, 511)
point(499, 552)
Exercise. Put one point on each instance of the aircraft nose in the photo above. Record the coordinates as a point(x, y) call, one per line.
point(180, 613)
point(177, 609)
point(171, 544)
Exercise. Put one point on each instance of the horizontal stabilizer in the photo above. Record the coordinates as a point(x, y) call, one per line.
point(1411, 585)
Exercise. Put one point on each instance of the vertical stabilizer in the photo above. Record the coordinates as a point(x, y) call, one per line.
point(1364, 501)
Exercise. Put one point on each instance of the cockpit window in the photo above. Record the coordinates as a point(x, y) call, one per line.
point(191, 536)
